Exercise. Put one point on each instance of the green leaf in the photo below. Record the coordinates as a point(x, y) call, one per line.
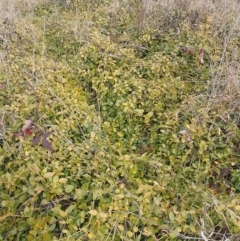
point(70, 208)
point(69, 188)
point(171, 216)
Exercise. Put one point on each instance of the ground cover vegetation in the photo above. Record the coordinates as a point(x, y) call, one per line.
point(119, 120)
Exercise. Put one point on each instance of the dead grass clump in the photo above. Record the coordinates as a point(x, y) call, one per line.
point(10, 9)
point(224, 20)
point(225, 90)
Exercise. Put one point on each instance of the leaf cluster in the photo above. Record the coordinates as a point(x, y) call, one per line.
point(103, 138)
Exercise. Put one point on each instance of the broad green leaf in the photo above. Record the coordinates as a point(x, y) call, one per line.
point(69, 188)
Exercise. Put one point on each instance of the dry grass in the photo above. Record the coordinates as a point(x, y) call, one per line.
point(12, 9)
point(224, 19)
point(225, 89)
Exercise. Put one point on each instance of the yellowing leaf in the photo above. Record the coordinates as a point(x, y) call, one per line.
point(135, 229)
point(120, 227)
point(148, 116)
point(90, 235)
point(102, 215)
point(237, 207)
point(93, 212)
point(140, 190)
point(4, 203)
point(202, 146)
point(147, 231)
point(130, 234)
point(121, 196)
point(49, 174)
point(63, 180)
point(63, 214)
point(139, 112)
